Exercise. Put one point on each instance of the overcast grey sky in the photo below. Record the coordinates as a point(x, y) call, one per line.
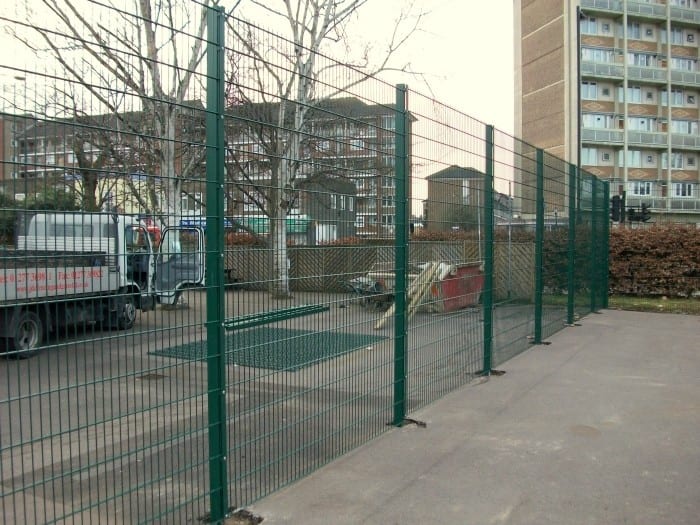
point(464, 49)
point(466, 52)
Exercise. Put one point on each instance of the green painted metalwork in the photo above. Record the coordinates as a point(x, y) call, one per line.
point(401, 255)
point(216, 358)
point(273, 348)
point(539, 241)
point(571, 245)
point(594, 247)
point(487, 293)
point(604, 260)
point(158, 414)
point(271, 316)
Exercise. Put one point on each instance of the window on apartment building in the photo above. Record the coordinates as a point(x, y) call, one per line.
point(465, 191)
point(191, 202)
point(634, 94)
point(683, 189)
point(633, 159)
point(597, 120)
point(676, 160)
point(606, 157)
point(641, 124)
point(334, 201)
point(589, 26)
point(676, 97)
point(641, 59)
point(690, 38)
point(639, 188)
point(605, 27)
point(677, 35)
point(589, 90)
point(685, 127)
point(634, 30)
point(388, 123)
point(684, 64)
point(589, 156)
point(357, 144)
point(691, 99)
point(691, 161)
point(594, 54)
point(250, 201)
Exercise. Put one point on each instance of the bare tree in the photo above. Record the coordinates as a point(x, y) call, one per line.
point(278, 90)
point(149, 59)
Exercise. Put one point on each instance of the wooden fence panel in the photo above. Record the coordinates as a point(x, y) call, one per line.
point(326, 268)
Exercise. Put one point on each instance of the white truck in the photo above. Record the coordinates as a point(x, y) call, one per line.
point(76, 268)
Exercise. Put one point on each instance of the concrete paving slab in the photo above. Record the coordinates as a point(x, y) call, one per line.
point(602, 426)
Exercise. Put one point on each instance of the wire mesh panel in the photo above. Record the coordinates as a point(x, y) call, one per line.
point(105, 136)
point(515, 249)
point(555, 246)
point(310, 188)
point(583, 263)
point(227, 258)
point(445, 329)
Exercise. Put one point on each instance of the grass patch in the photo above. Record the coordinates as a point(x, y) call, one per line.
point(671, 305)
point(634, 303)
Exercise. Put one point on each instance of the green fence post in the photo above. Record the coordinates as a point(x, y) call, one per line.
point(605, 255)
point(487, 293)
point(216, 359)
point(571, 247)
point(400, 255)
point(593, 256)
point(539, 245)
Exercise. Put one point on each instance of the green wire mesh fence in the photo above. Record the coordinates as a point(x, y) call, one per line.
point(219, 272)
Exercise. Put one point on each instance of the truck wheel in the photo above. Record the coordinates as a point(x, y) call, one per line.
point(27, 334)
point(125, 316)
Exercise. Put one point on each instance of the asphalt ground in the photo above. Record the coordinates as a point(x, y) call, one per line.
point(602, 426)
point(111, 430)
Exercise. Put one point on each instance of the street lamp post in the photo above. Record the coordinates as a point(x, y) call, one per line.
point(579, 118)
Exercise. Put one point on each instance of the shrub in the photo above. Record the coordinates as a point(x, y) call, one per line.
point(662, 260)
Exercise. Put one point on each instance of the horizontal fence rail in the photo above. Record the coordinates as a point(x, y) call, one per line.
point(227, 259)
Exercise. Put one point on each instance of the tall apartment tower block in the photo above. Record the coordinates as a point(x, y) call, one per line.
point(615, 84)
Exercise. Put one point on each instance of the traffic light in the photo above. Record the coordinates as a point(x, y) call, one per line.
point(646, 213)
point(616, 208)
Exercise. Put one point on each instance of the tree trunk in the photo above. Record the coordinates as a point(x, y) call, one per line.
point(89, 200)
point(280, 261)
point(278, 233)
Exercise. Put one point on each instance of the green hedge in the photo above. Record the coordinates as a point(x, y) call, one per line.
point(661, 260)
